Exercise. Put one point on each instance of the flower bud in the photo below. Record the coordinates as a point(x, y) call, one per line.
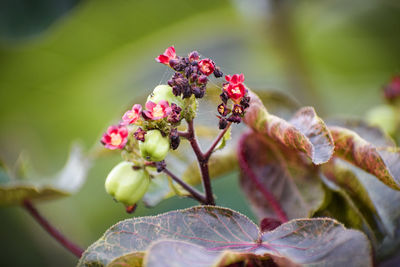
point(126, 184)
point(164, 92)
point(155, 147)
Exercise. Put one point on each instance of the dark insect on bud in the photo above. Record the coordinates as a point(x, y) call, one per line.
point(218, 73)
point(234, 119)
point(194, 55)
point(140, 134)
point(175, 139)
point(202, 79)
point(245, 102)
point(224, 97)
point(238, 110)
point(161, 165)
point(223, 110)
point(222, 123)
point(130, 209)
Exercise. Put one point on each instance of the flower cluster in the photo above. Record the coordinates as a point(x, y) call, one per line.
point(169, 104)
point(235, 91)
point(191, 73)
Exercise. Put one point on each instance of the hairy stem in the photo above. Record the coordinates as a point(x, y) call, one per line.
point(76, 250)
point(203, 164)
point(194, 193)
point(245, 167)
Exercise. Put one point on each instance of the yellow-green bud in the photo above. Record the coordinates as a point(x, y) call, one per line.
point(155, 146)
point(127, 185)
point(164, 92)
point(385, 117)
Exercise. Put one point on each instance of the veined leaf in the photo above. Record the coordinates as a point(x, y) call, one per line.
point(305, 132)
point(213, 236)
point(275, 186)
point(68, 181)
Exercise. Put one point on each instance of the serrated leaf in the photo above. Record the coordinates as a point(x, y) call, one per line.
point(305, 132)
point(266, 170)
point(68, 181)
point(383, 162)
point(307, 242)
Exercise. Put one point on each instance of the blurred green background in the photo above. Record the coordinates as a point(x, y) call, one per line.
point(70, 68)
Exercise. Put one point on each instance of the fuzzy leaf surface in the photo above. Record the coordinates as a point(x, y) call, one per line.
point(223, 236)
point(305, 132)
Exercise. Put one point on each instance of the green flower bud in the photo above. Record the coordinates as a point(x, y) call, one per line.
point(164, 92)
point(385, 117)
point(155, 146)
point(126, 184)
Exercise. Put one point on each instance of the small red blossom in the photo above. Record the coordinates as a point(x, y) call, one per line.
point(206, 66)
point(131, 116)
point(157, 111)
point(115, 137)
point(234, 87)
point(169, 54)
point(235, 79)
point(392, 90)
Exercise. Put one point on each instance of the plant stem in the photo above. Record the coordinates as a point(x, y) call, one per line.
point(244, 165)
point(203, 164)
point(207, 155)
point(194, 193)
point(76, 250)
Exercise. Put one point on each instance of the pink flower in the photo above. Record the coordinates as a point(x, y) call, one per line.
point(169, 53)
point(115, 137)
point(206, 66)
point(131, 116)
point(157, 111)
point(235, 88)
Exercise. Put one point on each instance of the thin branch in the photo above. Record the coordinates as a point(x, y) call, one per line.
point(76, 250)
point(184, 134)
point(244, 165)
point(193, 191)
point(207, 155)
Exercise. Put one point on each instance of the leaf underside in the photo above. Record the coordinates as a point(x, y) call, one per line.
point(14, 190)
point(213, 236)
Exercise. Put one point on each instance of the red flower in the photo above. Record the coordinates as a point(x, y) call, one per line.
point(235, 88)
point(115, 137)
point(157, 111)
point(206, 66)
point(131, 116)
point(235, 79)
point(169, 53)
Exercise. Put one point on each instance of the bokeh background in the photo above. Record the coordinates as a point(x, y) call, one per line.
point(69, 68)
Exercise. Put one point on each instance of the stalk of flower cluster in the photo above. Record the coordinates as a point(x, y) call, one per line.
point(72, 247)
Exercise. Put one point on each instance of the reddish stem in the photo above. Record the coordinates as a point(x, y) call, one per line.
point(76, 250)
point(245, 167)
point(207, 155)
point(193, 192)
point(203, 165)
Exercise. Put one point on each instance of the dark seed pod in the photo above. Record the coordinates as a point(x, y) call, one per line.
point(218, 73)
point(222, 123)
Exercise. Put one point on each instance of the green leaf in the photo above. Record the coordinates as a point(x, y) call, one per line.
point(269, 169)
point(305, 132)
point(68, 181)
point(213, 236)
point(383, 162)
point(224, 139)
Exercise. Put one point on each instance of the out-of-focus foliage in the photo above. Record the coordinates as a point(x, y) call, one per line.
point(77, 75)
